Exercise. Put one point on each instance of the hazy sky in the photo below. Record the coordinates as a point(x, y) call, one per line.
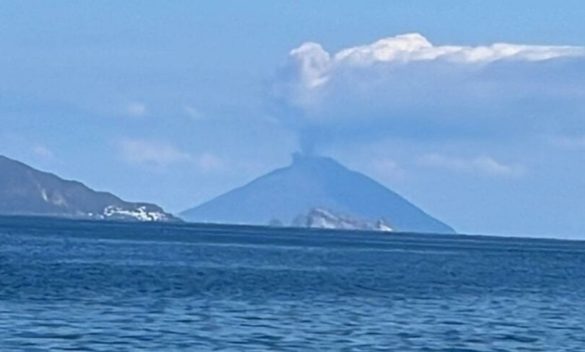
point(178, 101)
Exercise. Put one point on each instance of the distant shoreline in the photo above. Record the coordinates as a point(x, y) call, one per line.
point(42, 221)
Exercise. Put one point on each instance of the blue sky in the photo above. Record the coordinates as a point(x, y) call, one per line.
point(175, 102)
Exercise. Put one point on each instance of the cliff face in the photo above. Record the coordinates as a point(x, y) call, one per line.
point(27, 191)
point(324, 219)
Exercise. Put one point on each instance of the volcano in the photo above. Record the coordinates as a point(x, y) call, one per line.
point(314, 185)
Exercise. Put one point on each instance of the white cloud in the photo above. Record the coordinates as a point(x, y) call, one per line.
point(569, 142)
point(387, 168)
point(193, 113)
point(43, 152)
point(315, 65)
point(484, 165)
point(407, 87)
point(136, 109)
point(153, 153)
point(160, 154)
point(208, 162)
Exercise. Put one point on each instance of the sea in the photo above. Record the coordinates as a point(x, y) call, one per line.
point(99, 286)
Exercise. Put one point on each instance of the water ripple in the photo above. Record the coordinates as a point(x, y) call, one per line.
point(135, 288)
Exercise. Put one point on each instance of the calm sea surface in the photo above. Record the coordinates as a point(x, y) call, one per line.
point(84, 286)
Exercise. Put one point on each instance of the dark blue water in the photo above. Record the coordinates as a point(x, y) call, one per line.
point(83, 286)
